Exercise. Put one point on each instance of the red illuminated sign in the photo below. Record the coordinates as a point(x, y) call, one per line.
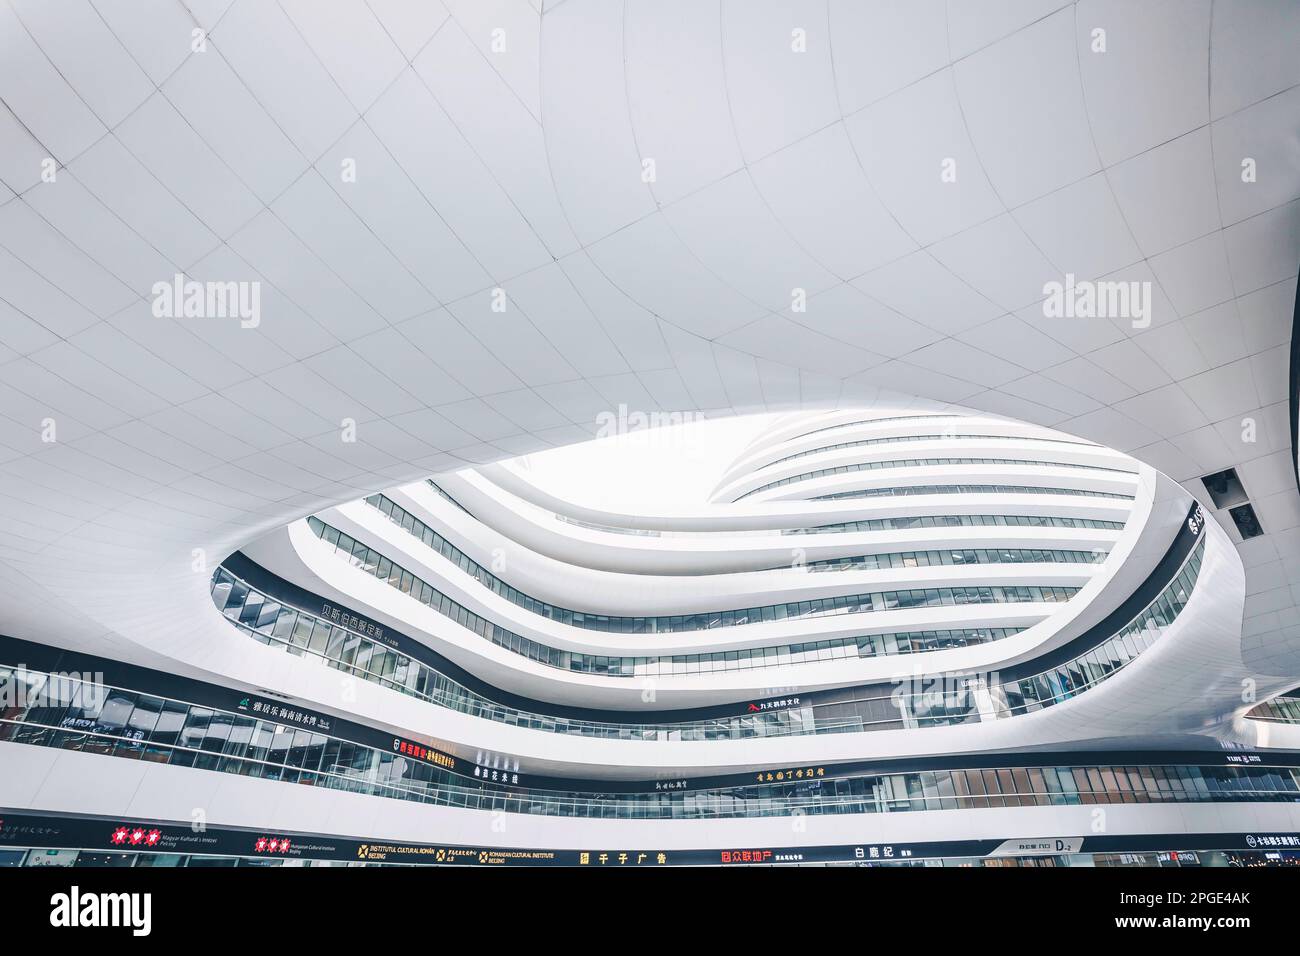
point(421, 752)
point(746, 856)
point(134, 836)
point(272, 845)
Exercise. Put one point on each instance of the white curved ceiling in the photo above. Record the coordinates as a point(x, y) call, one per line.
point(506, 145)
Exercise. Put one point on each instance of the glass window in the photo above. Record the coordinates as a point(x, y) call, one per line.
point(259, 741)
point(241, 734)
point(195, 730)
point(281, 739)
point(252, 606)
point(115, 712)
point(140, 724)
point(214, 741)
point(171, 718)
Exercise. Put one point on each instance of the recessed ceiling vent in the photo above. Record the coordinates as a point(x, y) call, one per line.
point(1225, 489)
point(1247, 523)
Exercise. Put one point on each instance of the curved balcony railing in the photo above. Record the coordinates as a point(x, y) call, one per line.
point(901, 523)
point(883, 560)
point(942, 700)
point(378, 565)
point(134, 725)
point(314, 638)
point(267, 620)
point(908, 490)
point(912, 522)
point(1283, 709)
point(917, 463)
point(900, 439)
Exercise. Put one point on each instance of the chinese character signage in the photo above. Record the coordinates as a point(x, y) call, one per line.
point(779, 703)
point(284, 714)
point(420, 752)
point(786, 776)
point(623, 858)
point(353, 623)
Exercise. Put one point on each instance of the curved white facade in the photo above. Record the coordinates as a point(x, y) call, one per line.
point(976, 526)
point(959, 589)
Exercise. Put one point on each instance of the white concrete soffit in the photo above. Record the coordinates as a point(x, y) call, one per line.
point(458, 232)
